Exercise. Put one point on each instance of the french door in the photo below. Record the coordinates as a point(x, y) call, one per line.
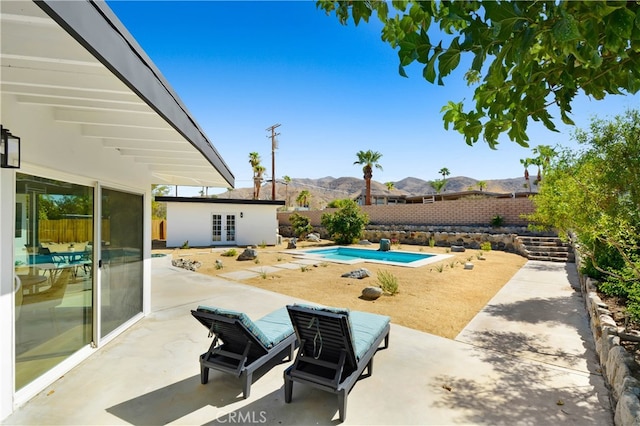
point(223, 228)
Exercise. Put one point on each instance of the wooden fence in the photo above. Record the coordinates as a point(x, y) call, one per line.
point(159, 229)
point(80, 230)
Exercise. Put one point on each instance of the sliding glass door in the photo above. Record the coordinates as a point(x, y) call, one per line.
point(121, 266)
point(53, 251)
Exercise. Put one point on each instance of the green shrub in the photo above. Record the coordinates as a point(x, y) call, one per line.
point(432, 242)
point(497, 221)
point(388, 282)
point(301, 225)
point(346, 225)
point(486, 246)
point(229, 253)
point(185, 245)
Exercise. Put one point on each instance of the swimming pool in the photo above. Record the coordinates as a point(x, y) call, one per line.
point(350, 255)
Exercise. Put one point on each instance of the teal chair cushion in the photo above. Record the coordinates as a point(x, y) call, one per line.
point(276, 326)
point(363, 326)
point(244, 319)
point(365, 329)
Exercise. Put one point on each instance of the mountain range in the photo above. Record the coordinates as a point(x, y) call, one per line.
point(326, 189)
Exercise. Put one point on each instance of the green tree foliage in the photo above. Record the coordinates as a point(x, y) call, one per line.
point(595, 193)
point(158, 209)
point(301, 225)
point(368, 159)
point(303, 198)
point(346, 225)
point(525, 57)
point(338, 203)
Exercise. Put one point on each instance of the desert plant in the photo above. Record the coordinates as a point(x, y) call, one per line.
point(185, 245)
point(440, 267)
point(486, 246)
point(479, 255)
point(229, 253)
point(432, 242)
point(263, 274)
point(301, 225)
point(256, 261)
point(263, 244)
point(453, 263)
point(304, 268)
point(219, 264)
point(388, 282)
point(497, 221)
point(345, 225)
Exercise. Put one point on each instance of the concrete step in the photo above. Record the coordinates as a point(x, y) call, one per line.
point(551, 249)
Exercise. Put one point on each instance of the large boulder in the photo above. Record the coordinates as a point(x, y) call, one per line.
point(371, 293)
point(315, 238)
point(358, 273)
point(248, 254)
point(292, 243)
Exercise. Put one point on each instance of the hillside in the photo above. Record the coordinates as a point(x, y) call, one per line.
point(326, 189)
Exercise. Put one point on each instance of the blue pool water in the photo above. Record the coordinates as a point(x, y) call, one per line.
point(349, 254)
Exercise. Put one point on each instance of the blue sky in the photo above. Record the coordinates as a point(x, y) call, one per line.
point(241, 66)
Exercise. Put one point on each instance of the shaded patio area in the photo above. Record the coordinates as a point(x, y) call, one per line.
point(527, 358)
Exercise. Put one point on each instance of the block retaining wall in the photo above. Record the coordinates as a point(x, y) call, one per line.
point(616, 363)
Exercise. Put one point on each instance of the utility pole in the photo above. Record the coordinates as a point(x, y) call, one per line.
point(274, 146)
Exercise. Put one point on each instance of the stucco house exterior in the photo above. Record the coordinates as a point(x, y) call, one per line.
point(205, 222)
point(97, 125)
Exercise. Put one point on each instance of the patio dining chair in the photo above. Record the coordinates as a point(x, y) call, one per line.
point(241, 346)
point(336, 346)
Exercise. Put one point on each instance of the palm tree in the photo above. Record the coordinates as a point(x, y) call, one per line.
point(257, 180)
point(303, 198)
point(390, 186)
point(287, 181)
point(368, 159)
point(254, 160)
point(545, 154)
point(444, 172)
point(526, 162)
point(482, 185)
point(438, 185)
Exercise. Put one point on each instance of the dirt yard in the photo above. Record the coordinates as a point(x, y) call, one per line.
point(439, 298)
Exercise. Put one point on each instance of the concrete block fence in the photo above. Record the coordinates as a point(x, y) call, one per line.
point(462, 212)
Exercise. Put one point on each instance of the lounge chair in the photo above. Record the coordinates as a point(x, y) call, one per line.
point(336, 345)
point(241, 346)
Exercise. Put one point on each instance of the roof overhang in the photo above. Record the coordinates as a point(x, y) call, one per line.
point(202, 200)
point(77, 58)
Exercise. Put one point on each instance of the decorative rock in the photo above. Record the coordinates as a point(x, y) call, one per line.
point(292, 243)
point(371, 293)
point(482, 258)
point(468, 265)
point(190, 265)
point(358, 273)
point(458, 249)
point(313, 238)
point(364, 242)
point(248, 254)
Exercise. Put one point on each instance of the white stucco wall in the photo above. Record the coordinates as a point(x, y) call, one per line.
point(193, 222)
point(56, 150)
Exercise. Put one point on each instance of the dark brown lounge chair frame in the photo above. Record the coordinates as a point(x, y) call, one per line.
point(335, 370)
point(240, 353)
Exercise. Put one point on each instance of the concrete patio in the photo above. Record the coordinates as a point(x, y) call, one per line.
point(527, 358)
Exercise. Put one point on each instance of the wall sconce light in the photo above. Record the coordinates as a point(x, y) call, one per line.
point(9, 150)
point(241, 214)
